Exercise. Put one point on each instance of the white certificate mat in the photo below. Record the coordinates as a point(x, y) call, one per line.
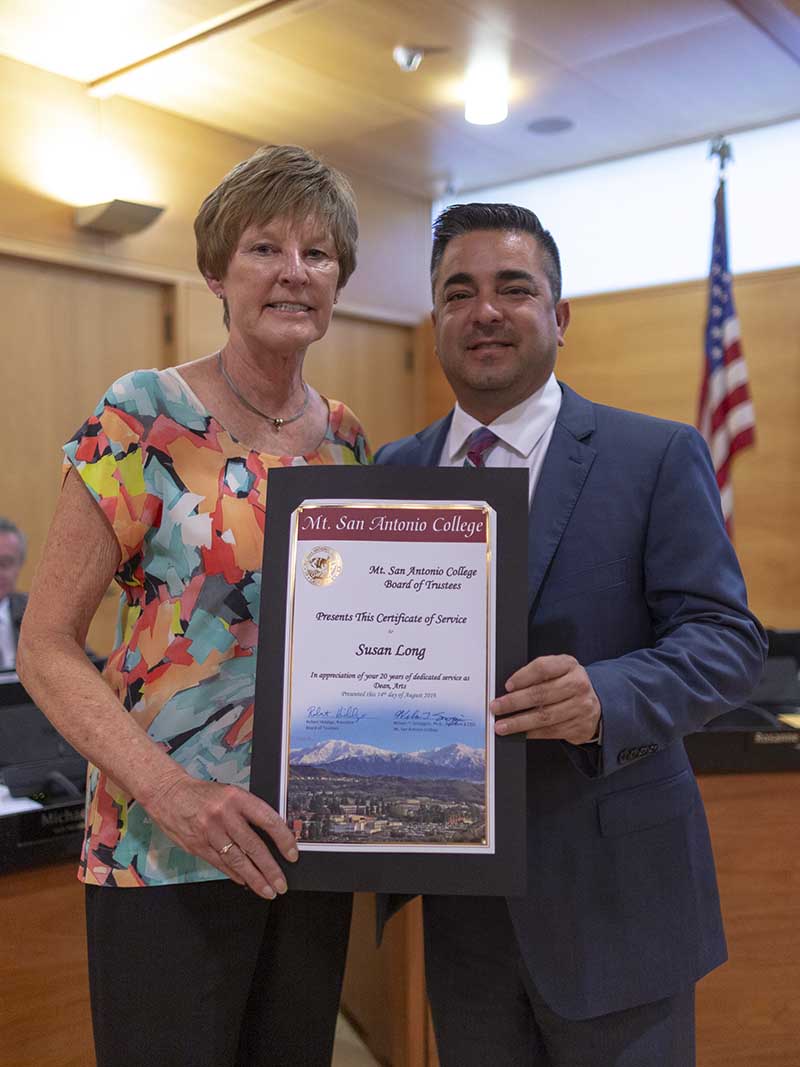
point(389, 668)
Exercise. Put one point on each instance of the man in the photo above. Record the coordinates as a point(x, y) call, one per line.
point(638, 633)
point(12, 603)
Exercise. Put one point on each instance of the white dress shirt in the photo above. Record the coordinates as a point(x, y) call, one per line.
point(524, 434)
point(8, 641)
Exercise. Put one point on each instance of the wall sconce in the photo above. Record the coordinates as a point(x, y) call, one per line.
point(117, 218)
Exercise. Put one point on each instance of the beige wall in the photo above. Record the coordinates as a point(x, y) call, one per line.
point(50, 130)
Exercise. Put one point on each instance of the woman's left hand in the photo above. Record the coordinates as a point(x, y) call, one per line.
point(215, 822)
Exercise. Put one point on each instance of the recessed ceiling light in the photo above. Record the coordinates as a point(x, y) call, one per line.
point(486, 90)
point(551, 124)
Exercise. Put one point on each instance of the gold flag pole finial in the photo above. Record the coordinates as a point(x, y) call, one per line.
point(721, 148)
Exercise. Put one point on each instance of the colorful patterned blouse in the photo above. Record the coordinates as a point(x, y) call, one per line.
point(186, 502)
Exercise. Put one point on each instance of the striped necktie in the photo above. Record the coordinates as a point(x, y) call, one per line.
point(479, 441)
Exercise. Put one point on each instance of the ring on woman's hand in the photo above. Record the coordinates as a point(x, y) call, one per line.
point(226, 848)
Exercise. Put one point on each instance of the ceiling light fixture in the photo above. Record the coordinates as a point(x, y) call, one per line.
point(409, 56)
point(486, 91)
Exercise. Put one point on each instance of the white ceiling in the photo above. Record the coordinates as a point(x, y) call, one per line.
point(632, 75)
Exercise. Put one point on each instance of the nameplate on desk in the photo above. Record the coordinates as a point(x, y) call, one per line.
point(50, 834)
point(743, 751)
point(47, 823)
point(769, 737)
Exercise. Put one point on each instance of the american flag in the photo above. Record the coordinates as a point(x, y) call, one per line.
point(726, 418)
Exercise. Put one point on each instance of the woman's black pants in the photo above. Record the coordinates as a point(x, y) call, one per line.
point(208, 974)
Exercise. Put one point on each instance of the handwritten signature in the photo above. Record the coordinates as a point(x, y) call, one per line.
point(433, 718)
point(344, 713)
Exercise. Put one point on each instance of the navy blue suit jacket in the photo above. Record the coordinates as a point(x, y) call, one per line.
point(17, 604)
point(631, 571)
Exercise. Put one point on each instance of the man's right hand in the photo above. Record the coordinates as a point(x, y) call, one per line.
point(550, 698)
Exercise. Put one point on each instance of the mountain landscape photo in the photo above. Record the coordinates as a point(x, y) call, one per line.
point(346, 793)
point(456, 761)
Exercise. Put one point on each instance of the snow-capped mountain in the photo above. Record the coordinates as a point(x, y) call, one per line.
point(457, 755)
point(449, 761)
point(329, 751)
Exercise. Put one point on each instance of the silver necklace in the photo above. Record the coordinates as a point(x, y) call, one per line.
point(276, 422)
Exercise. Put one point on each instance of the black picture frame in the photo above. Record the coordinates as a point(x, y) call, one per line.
point(506, 491)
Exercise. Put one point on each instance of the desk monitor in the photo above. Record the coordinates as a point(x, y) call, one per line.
point(13, 692)
point(780, 682)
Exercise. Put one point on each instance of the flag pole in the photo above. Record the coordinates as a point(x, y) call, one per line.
point(725, 417)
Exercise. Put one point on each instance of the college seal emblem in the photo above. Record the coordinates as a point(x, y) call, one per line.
point(322, 565)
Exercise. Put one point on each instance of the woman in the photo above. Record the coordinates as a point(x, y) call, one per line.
point(196, 956)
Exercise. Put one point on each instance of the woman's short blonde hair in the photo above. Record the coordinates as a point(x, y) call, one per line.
point(277, 180)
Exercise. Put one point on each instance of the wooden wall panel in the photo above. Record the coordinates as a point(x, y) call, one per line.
point(370, 367)
point(438, 395)
point(643, 350)
point(200, 330)
point(67, 335)
point(384, 988)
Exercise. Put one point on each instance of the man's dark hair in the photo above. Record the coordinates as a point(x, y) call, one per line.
point(459, 219)
point(7, 526)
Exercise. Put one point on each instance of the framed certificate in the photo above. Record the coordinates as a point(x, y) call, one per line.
point(393, 603)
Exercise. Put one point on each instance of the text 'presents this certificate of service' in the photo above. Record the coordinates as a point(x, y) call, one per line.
point(390, 639)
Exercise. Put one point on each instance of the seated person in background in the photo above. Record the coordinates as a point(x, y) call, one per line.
point(12, 603)
point(13, 550)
